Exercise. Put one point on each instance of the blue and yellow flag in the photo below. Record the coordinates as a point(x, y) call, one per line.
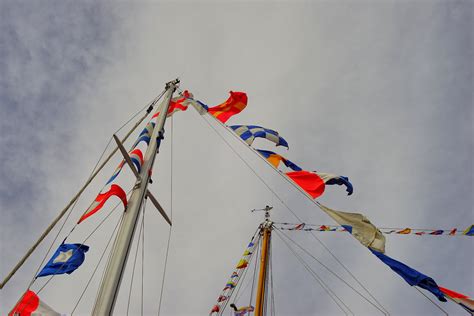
point(275, 159)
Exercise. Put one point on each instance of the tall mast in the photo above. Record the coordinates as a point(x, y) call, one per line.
point(110, 284)
point(266, 231)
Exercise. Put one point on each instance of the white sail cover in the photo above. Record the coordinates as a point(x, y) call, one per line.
point(359, 226)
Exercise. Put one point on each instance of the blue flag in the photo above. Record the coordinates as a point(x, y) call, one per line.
point(66, 259)
point(411, 276)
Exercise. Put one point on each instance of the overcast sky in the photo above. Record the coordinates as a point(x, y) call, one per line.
point(379, 91)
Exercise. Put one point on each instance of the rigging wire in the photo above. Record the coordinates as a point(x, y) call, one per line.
point(384, 230)
point(82, 243)
point(73, 201)
point(256, 238)
point(93, 173)
point(171, 218)
point(143, 259)
point(241, 280)
point(259, 251)
point(97, 265)
point(323, 285)
point(312, 200)
point(272, 301)
point(283, 202)
point(328, 269)
point(433, 302)
point(106, 264)
point(135, 260)
point(66, 218)
point(33, 279)
point(149, 107)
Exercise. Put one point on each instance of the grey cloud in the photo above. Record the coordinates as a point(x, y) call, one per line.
point(379, 92)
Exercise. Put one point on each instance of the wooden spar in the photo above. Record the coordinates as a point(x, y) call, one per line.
point(110, 284)
point(266, 231)
point(74, 198)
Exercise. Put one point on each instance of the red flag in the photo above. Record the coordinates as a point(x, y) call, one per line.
point(308, 181)
point(215, 309)
point(233, 105)
point(102, 198)
point(465, 301)
point(176, 104)
point(30, 304)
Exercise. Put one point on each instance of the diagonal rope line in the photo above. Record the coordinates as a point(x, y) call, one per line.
point(323, 285)
point(97, 266)
point(92, 174)
point(256, 239)
point(163, 278)
point(135, 261)
point(66, 218)
point(283, 203)
point(143, 261)
point(271, 282)
point(429, 299)
point(82, 243)
point(235, 293)
point(328, 269)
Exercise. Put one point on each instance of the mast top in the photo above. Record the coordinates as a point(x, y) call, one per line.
point(267, 209)
point(172, 82)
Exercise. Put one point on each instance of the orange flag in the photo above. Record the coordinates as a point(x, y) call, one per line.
point(405, 231)
point(233, 105)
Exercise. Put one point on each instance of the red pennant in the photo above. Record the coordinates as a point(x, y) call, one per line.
point(308, 181)
point(100, 200)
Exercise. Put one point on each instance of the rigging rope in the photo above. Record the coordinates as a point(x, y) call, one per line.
point(97, 265)
point(256, 239)
point(385, 230)
point(135, 260)
point(69, 212)
point(82, 243)
point(433, 302)
point(271, 281)
point(171, 218)
point(259, 252)
point(149, 107)
point(143, 258)
point(323, 285)
point(328, 269)
point(71, 206)
point(281, 200)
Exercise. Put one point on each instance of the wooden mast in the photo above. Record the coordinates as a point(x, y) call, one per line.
point(266, 231)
